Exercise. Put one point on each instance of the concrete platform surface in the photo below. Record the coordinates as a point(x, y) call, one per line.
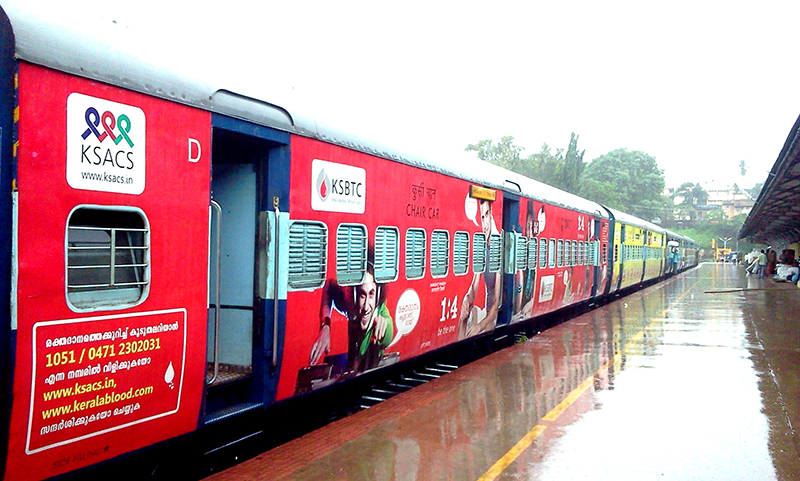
point(695, 378)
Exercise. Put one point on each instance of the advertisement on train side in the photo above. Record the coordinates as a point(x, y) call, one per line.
point(554, 257)
point(111, 300)
point(413, 263)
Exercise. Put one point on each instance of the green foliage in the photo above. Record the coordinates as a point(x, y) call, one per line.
point(559, 169)
point(626, 180)
point(691, 196)
point(705, 230)
point(756, 190)
point(505, 153)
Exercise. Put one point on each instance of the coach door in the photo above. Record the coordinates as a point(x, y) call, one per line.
point(241, 360)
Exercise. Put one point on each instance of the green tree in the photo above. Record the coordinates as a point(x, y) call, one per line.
point(572, 167)
point(626, 180)
point(691, 195)
point(559, 169)
point(544, 166)
point(756, 190)
point(504, 153)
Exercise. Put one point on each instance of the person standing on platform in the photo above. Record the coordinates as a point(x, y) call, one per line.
point(772, 262)
point(762, 264)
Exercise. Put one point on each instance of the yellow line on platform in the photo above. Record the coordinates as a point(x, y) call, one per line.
point(513, 453)
point(523, 444)
point(569, 400)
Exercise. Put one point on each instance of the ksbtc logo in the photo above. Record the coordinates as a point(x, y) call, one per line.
point(105, 145)
point(338, 187)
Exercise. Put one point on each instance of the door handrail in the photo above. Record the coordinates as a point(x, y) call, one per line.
point(276, 273)
point(212, 208)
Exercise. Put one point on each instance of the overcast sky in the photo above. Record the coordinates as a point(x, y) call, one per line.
point(699, 85)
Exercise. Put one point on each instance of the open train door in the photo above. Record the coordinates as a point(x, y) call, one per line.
point(248, 188)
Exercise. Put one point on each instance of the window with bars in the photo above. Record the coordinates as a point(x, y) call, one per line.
point(521, 249)
point(387, 254)
point(532, 246)
point(551, 253)
point(415, 253)
point(574, 253)
point(495, 252)
point(108, 258)
point(351, 254)
point(440, 253)
point(460, 253)
point(479, 252)
point(308, 254)
point(542, 253)
point(560, 253)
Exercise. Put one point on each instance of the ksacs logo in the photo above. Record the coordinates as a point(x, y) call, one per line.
point(338, 187)
point(105, 145)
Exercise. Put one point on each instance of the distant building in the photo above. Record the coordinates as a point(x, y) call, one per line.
point(731, 199)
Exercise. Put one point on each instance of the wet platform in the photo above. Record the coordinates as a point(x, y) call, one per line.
point(697, 377)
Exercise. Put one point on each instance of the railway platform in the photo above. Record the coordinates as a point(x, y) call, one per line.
point(696, 377)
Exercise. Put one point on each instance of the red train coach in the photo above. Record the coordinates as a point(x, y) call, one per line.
point(176, 255)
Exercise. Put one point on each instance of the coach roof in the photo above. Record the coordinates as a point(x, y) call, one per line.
point(108, 52)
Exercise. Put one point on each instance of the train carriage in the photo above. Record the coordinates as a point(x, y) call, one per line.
point(639, 251)
point(178, 255)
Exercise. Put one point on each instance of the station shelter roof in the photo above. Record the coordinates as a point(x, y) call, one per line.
point(775, 218)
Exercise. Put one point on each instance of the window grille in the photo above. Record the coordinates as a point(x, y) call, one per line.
point(542, 253)
point(479, 252)
point(415, 253)
point(440, 253)
point(522, 252)
point(308, 254)
point(532, 253)
point(495, 252)
point(460, 253)
point(351, 254)
point(108, 257)
point(387, 255)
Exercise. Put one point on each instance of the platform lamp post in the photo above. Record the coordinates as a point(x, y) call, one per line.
point(725, 241)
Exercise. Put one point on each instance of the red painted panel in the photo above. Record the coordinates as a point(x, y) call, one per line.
point(89, 386)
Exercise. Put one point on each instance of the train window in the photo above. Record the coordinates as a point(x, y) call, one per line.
point(573, 254)
point(387, 254)
point(551, 254)
point(605, 254)
point(543, 253)
point(479, 252)
point(308, 254)
point(560, 253)
point(532, 253)
point(440, 253)
point(415, 253)
point(580, 254)
point(495, 252)
point(460, 253)
point(521, 248)
point(108, 257)
point(616, 253)
point(351, 254)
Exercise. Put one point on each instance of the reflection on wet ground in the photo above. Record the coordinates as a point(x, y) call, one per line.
point(693, 378)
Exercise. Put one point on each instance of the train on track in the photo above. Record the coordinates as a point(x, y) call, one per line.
point(177, 254)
